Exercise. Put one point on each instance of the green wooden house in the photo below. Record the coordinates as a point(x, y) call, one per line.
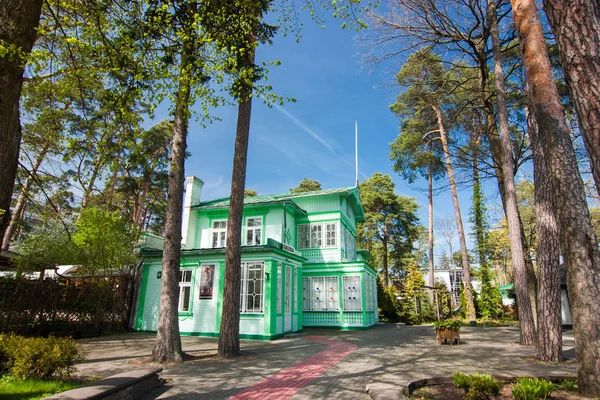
point(300, 265)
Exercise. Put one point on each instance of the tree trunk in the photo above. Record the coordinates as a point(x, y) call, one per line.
point(581, 253)
point(229, 338)
point(496, 148)
point(22, 200)
point(384, 244)
point(526, 323)
point(459, 225)
point(549, 321)
point(168, 340)
point(431, 261)
point(576, 27)
point(18, 22)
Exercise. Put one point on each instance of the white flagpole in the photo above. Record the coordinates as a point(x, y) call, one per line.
point(356, 149)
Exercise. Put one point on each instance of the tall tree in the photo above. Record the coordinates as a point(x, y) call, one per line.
point(527, 325)
point(581, 253)
point(427, 92)
point(390, 220)
point(18, 22)
point(246, 37)
point(576, 27)
point(413, 158)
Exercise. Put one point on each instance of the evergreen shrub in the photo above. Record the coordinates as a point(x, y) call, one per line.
point(39, 358)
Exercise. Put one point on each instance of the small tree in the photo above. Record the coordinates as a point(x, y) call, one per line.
point(105, 242)
point(307, 185)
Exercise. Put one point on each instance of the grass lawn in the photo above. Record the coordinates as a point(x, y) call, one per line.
point(16, 389)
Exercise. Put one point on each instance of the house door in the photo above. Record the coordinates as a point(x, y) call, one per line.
point(288, 300)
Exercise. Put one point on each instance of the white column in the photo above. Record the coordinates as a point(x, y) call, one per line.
point(193, 187)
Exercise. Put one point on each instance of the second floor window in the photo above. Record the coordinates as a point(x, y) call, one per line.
point(219, 232)
point(253, 231)
point(317, 235)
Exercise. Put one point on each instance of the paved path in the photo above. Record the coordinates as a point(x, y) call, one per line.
point(325, 363)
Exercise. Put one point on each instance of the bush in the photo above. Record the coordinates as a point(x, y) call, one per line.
point(451, 323)
point(477, 386)
point(532, 389)
point(389, 308)
point(39, 358)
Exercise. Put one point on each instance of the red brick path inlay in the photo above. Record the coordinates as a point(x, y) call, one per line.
point(288, 381)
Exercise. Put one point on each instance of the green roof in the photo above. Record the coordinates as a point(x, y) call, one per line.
point(287, 198)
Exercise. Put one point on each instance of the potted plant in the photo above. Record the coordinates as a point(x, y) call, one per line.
point(447, 329)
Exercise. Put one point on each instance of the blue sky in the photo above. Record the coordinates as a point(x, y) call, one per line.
point(313, 137)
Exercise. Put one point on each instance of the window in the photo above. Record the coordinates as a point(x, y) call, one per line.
point(288, 290)
point(219, 230)
point(185, 290)
point(350, 246)
point(352, 291)
point(331, 234)
point(320, 293)
point(253, 231)
point(251, 301)
point(317, 235)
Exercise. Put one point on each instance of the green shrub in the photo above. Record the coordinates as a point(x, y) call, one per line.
point(452, 323)
point(569, 384)
point(477, 386)
point(39, 357)
point(532, 389)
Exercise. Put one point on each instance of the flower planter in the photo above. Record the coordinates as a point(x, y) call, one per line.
point(447, 334)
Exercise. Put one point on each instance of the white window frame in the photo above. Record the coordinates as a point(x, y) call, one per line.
point(318, 235)
point(250, 273)
point(220, 232)
point(255, 230)
point(320, 293)
point(184, 283)
point(352, 292)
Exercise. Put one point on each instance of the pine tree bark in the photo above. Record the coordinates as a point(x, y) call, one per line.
point(229, 339)
point(549, 320)
point(496, 148)
point(526, 323)
point(576, 27)
point(168, 340)
point(431, 260)
point(459, 225)
point(581, 253)
point(18, 22)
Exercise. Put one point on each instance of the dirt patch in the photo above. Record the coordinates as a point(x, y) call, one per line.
point(448, 391)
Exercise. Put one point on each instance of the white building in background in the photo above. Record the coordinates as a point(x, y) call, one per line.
point(452, 278)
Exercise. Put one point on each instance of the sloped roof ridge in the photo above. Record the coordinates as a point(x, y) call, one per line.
point(278, 196)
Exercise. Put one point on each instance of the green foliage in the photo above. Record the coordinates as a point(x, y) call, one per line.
point(32, 389)
point(250, 193)
point(105, 242)
point(391, 223)
point(306, 185)
point(47, 245)
point(451, 323)
point(389, 307)
point(532, 389)
point(415, 301)
point(477, 386)
point(39, 357)
point(489, 301)
point(569, 384)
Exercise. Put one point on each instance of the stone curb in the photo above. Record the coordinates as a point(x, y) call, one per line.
point(127, 385)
